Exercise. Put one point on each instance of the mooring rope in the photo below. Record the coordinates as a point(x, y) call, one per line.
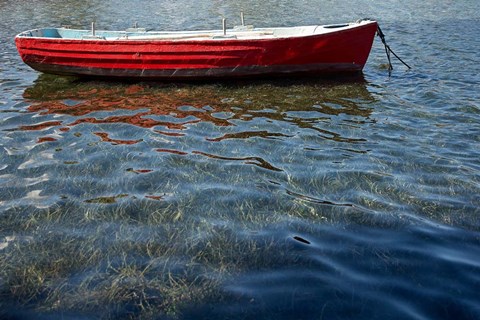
point(388, 50)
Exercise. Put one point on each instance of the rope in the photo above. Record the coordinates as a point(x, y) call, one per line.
point(388, 50)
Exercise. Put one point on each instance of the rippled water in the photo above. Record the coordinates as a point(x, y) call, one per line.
point(283, 199)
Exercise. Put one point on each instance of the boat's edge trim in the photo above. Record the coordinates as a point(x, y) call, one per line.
point(213, 32)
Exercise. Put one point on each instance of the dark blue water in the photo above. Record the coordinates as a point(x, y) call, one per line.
point(276, 199)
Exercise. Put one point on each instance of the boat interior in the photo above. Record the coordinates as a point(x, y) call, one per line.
point(241, 32)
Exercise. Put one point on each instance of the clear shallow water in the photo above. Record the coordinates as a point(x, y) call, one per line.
point(306, 199)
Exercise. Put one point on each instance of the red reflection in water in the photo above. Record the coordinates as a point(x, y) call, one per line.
point(134, 89)
point(41, 126)
point(175, 107)
point(45, 139)
point(136, 120)
point(153, 108)
point(105, 138)
point(152, 102)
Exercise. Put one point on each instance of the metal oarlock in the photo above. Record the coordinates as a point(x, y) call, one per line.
point(224, 26)
point(93, 28)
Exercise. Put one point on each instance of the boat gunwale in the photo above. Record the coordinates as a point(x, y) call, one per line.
point(214, 36)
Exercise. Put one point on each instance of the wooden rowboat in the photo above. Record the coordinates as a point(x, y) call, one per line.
point(229, 53)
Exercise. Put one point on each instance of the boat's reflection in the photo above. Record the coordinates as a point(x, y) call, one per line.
point(173, 106)
point(268, 109)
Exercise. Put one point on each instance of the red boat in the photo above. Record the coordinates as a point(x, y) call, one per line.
point(229, 53)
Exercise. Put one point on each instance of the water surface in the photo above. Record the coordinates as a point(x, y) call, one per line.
point(273, 199)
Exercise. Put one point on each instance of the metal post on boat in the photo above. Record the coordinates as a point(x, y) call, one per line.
point(93, 28)
point(242, 18)
point(224, 26)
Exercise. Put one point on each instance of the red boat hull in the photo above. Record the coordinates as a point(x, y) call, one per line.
point(343, 51)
